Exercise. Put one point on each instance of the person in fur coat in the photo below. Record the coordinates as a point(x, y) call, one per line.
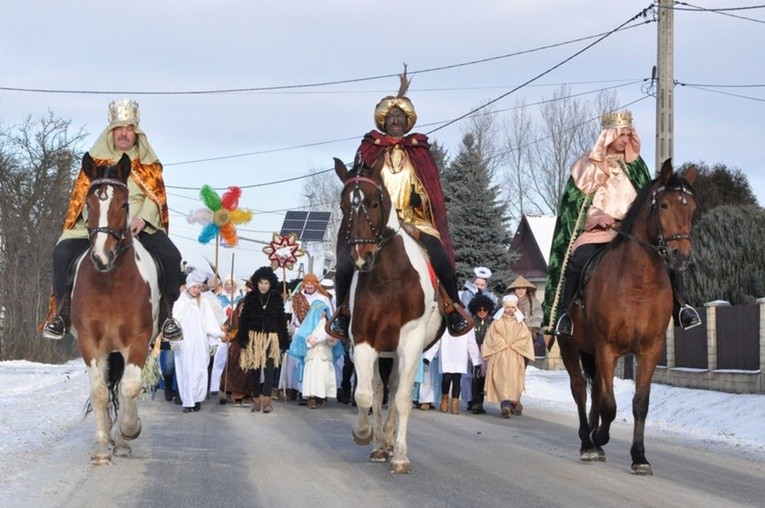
point(262, 335)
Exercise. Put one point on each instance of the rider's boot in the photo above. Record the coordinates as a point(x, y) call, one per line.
point(171, 328)
point(688, 317)
point(57, 327)
point(340, 322)
point(565, 325)
point(685, 315)
point(457, 322)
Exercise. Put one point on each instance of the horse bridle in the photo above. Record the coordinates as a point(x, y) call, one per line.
point(118, 235)
point(358, 206)
point(662, 241)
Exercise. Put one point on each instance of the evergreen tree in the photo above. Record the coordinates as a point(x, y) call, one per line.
point(476, 217)
point(728, 256)
point(719, 185)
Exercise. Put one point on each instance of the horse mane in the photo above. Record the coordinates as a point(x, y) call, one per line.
point(675, 181)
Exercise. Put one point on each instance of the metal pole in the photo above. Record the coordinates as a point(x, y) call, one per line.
point(665, 83)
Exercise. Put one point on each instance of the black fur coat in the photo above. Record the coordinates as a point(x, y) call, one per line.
point(265, 314)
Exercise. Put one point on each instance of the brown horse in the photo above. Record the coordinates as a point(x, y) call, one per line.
point(627, 308)
point(114, 308)
point(394, 311)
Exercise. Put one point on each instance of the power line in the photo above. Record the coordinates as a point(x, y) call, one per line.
point(311, 85)
point(722, 11)
point(644, 12)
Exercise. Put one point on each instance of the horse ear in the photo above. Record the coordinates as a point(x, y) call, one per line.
point(340, 169)
point(89, 167)
point(123, 167)
point(690, 174)
point(666, 171)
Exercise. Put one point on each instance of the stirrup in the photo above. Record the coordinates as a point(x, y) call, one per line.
point(171, 330)
point(55, 329)
point(688, 318)
point(564, 326)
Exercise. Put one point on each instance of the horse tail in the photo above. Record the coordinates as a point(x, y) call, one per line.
point(116, 367)
point(589, 368)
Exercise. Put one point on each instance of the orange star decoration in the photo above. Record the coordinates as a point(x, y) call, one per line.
point(283, 251)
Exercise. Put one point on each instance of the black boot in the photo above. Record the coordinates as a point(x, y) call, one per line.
point(688, 317)
point(456, 323)
point(565, 326)
point(57, 327)
point(170, 328)
point(685, 315)
point(340, 325)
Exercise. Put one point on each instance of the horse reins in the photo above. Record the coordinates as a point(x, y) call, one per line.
point(118, 235)
point(661, 245)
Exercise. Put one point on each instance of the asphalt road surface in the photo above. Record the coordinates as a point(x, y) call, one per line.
point(227, 456)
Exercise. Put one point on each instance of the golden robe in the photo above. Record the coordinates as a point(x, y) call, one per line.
point(506, 344)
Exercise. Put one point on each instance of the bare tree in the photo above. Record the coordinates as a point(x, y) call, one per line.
point(486, 132)
point(572, 126)
point(321, 192)
point(518, 176)
point(37, 164)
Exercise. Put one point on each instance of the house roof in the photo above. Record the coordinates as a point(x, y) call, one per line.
point(532, 240)
point(542, 227)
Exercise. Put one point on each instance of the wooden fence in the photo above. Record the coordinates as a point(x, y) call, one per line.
point(726, 353)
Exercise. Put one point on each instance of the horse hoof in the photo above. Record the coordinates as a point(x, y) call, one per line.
point(379, 456)
point(642, 469)
point(100, 460)
point(131, 435)
point(592, 456)
point(402, 467)
point(122, 451)
point(361, 440)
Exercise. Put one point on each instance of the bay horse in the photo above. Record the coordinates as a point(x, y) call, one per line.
point(114, 310)
point(627, 308)
point(394, 309)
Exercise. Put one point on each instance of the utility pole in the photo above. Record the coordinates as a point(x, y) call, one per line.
point(665, 103)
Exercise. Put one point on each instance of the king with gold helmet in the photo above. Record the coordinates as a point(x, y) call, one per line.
point(411, 177)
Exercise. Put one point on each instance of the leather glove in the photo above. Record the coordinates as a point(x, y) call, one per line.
point(415, 201)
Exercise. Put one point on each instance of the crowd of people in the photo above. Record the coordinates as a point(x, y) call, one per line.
point(251, 342)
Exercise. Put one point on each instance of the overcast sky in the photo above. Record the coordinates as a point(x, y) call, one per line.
point(257, 137)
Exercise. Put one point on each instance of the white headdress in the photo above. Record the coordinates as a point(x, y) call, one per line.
point(482, 272)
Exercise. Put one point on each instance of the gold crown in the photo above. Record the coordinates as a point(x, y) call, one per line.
point(124, 112)
point(617, 120)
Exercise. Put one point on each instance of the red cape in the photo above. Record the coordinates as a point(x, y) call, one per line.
point(418, 150)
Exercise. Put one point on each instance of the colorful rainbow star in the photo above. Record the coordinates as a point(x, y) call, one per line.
point(220, 216)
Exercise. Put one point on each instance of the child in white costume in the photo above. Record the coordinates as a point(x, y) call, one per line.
point(192, 355)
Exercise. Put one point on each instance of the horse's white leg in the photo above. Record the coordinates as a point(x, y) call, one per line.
point(129, 424)
point(408, 355)
point(99, 399)
point(365, 361)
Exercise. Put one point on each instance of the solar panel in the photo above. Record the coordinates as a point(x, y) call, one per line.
point(308, 226)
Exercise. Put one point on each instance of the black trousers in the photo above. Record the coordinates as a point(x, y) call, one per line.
point(452, 379)
point(66, 252)
point(438, 258)
point(268, 380)
point(476, 390)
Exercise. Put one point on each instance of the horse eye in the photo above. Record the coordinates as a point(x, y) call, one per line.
point(664, 206)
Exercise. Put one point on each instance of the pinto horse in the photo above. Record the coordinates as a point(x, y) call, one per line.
point(115, 301)
point(627, 308)
point(394, 309)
